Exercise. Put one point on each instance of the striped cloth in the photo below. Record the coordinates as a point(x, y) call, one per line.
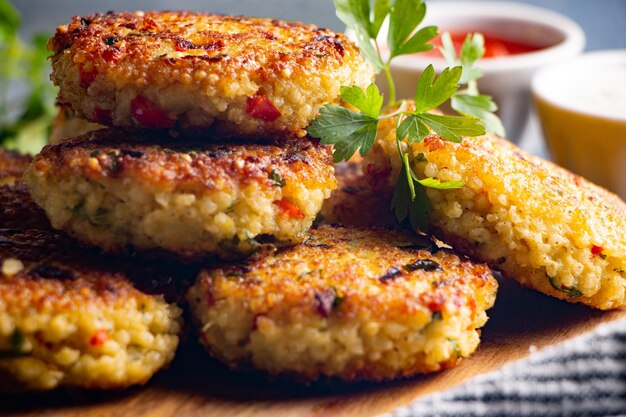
point(585, 376)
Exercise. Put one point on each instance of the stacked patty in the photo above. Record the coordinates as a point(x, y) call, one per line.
point(201, 152)
point(235, 74)
point(70, 316)
point(352, 303)
point(195, 197)
point(536, 222)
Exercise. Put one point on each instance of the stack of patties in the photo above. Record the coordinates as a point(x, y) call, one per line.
point(71, 316)
point(206, 156)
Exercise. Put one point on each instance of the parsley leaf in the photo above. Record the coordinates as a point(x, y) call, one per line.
point(431, 92)
point(413, 129)
point(346, 129)
point(356, 15)
point(369, 102)
point(410, 201)
point(453, 128)
point(404, 18)
point(482, 107)
point(440, 185)
point(469, 102)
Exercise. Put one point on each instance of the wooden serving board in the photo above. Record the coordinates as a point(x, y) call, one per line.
point(196, 386)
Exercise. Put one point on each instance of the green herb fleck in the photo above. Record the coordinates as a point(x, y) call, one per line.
point(17, 340)
point(111, 41)
point(78, 208)
point(436, 316)
point(572, 292)
point(277, 178)
point(420, 158)
point(455, 346)
point(94, 153)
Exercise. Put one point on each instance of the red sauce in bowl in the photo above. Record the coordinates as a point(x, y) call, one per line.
point(494, 46)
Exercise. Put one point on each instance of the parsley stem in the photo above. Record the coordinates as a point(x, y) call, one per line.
point(472, 88)
point(392, 88)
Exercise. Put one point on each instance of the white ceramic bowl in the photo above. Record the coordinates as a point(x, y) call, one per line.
point(507, 79)
point(582, 107)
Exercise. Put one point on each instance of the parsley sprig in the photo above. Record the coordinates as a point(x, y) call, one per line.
point(355, 130)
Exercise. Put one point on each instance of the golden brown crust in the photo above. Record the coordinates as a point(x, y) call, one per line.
point(202, 55)
point(167, 163)
point(12, 166)
point(381, 285)
point(538, 223)
point(335, 304)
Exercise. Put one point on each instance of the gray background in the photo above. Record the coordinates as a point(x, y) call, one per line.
point(604, 22)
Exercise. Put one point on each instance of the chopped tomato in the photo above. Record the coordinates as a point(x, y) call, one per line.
point(596, 250)
point(149, 115)
point(111, 55)
point(289, 208)
point(495, 46)
point(100, 337)
point(87, 77)
point(261, 107)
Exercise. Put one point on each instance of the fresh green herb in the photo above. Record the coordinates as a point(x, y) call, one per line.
point(572, 292)
point(111, 41)
point(468, 101)
point(24, 126)
point(348, 130)
point(277, 178)
point(338, 299)
point(17, 340)
point(437, 315)
point(420, 158)
point(355, 130)
point(455, 346)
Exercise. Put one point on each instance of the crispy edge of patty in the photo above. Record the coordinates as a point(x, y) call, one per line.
point(73, 318)
point(536, 222)
point(201, 55)
point(192, 198)
point(352, 303)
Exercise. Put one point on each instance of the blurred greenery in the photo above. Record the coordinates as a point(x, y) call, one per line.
point(26, 64)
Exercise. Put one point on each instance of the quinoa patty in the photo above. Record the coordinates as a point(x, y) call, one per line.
point(69, 317)
point(242, 75)
point(114, 188)
point(356, 202)
point(356, 304)
point(533, 220)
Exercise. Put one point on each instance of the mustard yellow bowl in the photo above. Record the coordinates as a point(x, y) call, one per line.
point(582, 107)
